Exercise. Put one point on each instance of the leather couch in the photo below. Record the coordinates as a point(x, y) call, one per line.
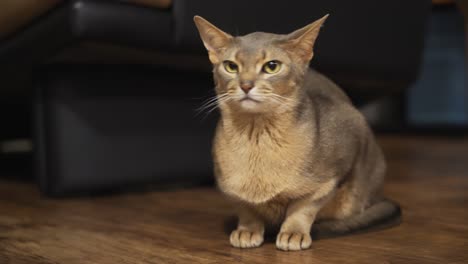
point(115, 83)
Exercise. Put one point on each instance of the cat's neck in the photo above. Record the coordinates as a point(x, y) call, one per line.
point(259, 125)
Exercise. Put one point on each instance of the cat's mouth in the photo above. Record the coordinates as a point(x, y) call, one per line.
point(249, 99)
point(248, 103)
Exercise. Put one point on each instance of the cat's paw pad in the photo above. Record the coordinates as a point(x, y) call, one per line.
point(245, 239)
point(293, 241)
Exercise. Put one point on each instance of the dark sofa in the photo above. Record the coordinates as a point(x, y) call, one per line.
point(115, 84)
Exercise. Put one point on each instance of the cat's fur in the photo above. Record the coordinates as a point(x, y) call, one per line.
point(293, 150)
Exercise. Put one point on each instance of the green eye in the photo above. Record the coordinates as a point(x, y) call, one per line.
point(271, 67)
point(230, 66)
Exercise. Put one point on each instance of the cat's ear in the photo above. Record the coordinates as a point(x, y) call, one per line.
point(301, 42)
point(214, 39)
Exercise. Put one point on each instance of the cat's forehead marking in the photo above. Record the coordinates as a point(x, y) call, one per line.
point(252, 48)
point(250, 55)
point(255, 47)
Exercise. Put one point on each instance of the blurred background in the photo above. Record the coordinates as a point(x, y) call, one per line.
point(102, 95)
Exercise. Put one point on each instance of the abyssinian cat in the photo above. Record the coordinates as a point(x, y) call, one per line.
point(290, 148)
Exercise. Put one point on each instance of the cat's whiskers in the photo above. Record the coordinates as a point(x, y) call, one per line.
point(217, 96)
point(282, 100)
point(279, 101)
point(282, 97)
point(218, 102)
point(212, 102)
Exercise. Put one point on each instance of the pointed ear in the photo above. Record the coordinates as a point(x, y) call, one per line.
point(214, 39)
point(301, 42)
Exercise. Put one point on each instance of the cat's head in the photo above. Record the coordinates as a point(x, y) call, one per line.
point(259, 72)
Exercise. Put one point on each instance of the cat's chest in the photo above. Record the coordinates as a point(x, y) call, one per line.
point(257, 170)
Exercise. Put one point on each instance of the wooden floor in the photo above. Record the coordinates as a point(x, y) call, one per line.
point(429, 177)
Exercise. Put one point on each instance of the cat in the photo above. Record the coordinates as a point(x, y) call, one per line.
point(290, 149)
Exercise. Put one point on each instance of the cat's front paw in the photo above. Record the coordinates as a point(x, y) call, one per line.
point(293, 241)
point(246, 239)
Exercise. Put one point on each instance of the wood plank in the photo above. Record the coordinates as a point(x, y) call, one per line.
point(428, 176)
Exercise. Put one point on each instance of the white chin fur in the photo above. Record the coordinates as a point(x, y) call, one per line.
point(250, 105)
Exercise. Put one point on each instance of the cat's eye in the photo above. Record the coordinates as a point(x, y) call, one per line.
point(271, 67)
point(231, 67)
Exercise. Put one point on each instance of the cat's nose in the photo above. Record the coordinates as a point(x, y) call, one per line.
point(246, 86)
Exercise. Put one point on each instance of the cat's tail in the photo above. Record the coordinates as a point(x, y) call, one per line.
point(380, 215)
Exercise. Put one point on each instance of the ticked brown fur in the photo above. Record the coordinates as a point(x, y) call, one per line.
point(293, 151)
